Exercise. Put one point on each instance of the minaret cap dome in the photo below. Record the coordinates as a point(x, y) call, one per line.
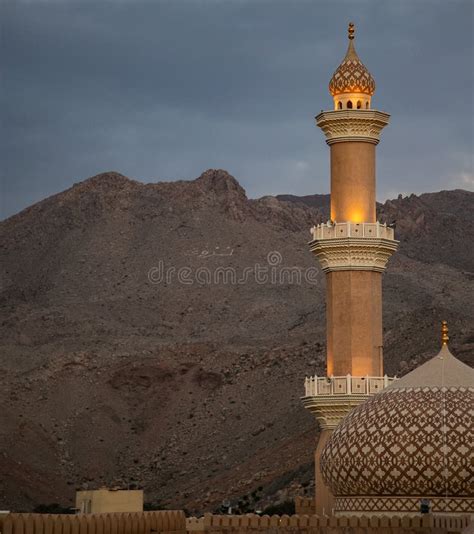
point(352, 76)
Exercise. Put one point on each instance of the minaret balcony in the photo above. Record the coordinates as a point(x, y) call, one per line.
point(346, 385)
point(350, 246)
point(330, 399)
point(350, 229)
point(352, 125)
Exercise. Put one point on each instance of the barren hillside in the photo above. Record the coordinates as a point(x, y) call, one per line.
point(159, 334)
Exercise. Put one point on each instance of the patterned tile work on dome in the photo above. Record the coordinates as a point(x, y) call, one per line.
point(404, 442)
point(407, 505)
point(352, 77)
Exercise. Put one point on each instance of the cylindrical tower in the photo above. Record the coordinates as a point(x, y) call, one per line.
point(353, 250)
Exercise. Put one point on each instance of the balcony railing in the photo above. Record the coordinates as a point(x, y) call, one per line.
point(345, 385)
point(337, 230)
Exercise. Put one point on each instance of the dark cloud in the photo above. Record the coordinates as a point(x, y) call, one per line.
point(165, 89)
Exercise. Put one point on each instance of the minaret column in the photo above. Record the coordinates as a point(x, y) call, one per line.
point(353, 181)
point(353, 250)
point(354, 323)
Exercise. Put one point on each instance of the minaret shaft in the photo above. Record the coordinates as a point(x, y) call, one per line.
point(354, 323)
point(353, 247)
point(353, 182)
point(354, 298)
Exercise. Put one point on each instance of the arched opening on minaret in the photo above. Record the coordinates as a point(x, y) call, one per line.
point(367, 105)
point(339, 105)
point(349, 104)
point(359, 104)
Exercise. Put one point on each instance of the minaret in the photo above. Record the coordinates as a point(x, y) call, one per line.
point(353, 250)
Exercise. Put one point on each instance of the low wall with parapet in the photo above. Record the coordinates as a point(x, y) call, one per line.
point(312, 524)
point(174, 522)
point(162, 522)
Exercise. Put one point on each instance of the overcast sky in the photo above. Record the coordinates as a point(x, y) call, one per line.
point(165, 89)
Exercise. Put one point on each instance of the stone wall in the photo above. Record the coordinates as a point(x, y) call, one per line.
point(174, 522)
point(311, 524)
point(162, 522)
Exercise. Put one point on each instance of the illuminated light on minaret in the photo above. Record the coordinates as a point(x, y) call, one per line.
point(352, 249)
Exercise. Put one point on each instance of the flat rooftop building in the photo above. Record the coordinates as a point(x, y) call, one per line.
point(109, 500)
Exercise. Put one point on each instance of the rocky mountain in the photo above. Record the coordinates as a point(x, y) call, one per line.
point(159, 334)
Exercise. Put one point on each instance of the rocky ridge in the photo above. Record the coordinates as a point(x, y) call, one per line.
point(121, 364)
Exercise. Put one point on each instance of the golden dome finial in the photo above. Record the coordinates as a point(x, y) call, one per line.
point(351, 30)
point(444, 333)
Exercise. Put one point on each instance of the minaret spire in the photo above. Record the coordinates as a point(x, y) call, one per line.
point(444, 333)
point(351, 31)
point(351, 53)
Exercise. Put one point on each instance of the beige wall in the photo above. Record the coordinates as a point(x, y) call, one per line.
point(105, 500)
point(354, 323)
point(312, 524)
point(162, 522)
point(353, 182)
point(174, 522)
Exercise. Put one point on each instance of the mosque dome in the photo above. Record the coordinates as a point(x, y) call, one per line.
point(352, 78)
point(412, 441)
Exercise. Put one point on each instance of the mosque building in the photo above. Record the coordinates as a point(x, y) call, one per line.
point(386, 445)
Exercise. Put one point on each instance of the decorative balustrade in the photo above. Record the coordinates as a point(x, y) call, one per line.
point(337, 230)
point(345, 385)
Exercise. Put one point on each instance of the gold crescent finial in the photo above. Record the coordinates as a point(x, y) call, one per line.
point(351, 30)
point(444, 333)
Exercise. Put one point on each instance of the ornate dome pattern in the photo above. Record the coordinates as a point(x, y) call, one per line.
point(404, 442)
point(411, 441)
point(352, 76)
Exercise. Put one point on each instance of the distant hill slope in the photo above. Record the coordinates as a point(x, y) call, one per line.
point(320, 202)
point(129, 353)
